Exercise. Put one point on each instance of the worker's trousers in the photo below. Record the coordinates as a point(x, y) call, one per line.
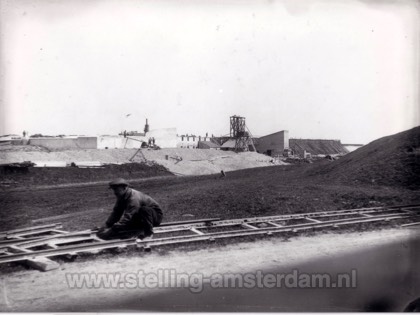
point(141, 227)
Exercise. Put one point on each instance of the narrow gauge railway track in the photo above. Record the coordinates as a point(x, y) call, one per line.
point(35, 244)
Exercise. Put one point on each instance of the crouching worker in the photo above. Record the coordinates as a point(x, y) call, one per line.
point(134, 214)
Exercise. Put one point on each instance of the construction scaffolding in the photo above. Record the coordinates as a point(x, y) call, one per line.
point(241, 134)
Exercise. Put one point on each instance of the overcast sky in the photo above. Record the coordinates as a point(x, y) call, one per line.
point(331, 69)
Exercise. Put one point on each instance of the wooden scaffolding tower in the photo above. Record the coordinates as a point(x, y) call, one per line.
point(241, 134)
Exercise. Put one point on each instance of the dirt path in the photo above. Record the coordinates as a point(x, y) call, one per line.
point(31, 290)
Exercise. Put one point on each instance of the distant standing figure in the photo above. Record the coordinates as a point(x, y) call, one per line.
point(149, 142)
point(24, 133)
point(125, 133)
point(153, 141)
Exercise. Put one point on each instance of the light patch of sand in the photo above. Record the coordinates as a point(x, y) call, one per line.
point(194, 161)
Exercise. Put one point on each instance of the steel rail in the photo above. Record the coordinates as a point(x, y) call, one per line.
point(249, 233)
point(273, 229)
point(14, 241)
point(192, 238)
point(63, 234)
point(42, 240)
point(302, 216)
point(67, 250)
point(203, 223)
point(33, 229)
point(87, 235)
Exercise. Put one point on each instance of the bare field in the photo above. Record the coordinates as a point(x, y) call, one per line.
point(246, 193)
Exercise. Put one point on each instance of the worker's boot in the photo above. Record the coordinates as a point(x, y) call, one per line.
point(145, 235)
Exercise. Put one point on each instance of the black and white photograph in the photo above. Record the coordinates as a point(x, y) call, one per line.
point(209, 156)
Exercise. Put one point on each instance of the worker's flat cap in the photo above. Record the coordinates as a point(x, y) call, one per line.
point(118, 182)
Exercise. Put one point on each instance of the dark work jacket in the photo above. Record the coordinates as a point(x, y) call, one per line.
point(135, 210)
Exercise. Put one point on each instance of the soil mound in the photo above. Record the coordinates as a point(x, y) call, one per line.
point(391, 161)
point(316, 147)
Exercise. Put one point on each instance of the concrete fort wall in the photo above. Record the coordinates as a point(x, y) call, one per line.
point(273, 144)
point(164, 138)
point(119, 142)
point(87, 142)
point(190, 142)
point(65, 143)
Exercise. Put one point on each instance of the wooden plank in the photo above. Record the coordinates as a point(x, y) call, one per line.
point(14, 237)
point(312, 220)
point(96, 238)
point(39, 263)
point(274, 224)
point(44, 240)
point(29, 233)
point(32, 228)
point(42, 264)
point(66, 250)
point(189, 222)
point(196, 231)
point(60, 232)
point(66, 241)
point(17, 249)
point(249, 226)
point(19, 240)
point(411, 224)
point(176, 229)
